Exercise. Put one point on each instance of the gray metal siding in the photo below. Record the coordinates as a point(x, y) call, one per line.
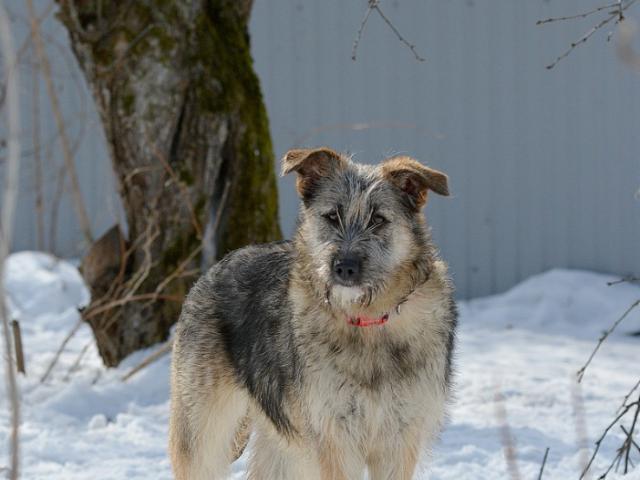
point(543, 164)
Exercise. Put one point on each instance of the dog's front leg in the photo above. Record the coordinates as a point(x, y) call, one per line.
point(399, 465)
point(339, 462)
point(397, 459)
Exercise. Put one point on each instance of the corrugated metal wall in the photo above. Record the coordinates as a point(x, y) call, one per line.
point(544, 165)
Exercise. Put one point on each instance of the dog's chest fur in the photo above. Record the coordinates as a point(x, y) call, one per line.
point(363, 384)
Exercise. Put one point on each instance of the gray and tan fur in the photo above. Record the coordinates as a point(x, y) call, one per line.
point(266, 344)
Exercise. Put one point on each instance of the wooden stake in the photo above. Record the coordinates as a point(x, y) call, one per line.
point(17, 343)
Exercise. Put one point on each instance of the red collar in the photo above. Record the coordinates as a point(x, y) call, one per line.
point(362, 321)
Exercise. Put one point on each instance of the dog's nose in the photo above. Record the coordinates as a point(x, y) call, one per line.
point(347, 269)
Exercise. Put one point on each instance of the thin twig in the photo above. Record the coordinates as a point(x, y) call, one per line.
point(623, 452)
point(411, 46)
point(363, 24)
point(78, 201)
point(9, 197)
point(61, 348)
point(624, 280)
point(74, 366)
point(37, 157)
point(178, 271)
point(604, 434)
point(604, 336)
point(55, 201)
point(152, 232)
point(613, 16)
point(93, 312)
point(628, 395)
point(633, 442)
point(181, 186)
point(161, 352)
point(578, 15)
point(582, 40)
point(123, 301)
point(375, 5)
point(629, 440)
point(544, 462)
point(620, 11)
point(24, 46)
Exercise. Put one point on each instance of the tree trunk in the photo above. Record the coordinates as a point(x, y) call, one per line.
point(189, 142)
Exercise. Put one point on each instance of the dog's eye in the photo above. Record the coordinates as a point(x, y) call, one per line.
point(378, 220)
point(332, 217)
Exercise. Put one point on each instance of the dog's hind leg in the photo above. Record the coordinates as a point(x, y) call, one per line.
point(206, 433)
point(179, 439)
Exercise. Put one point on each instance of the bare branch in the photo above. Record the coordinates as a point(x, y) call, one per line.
point(74, 366)
point(544, 462)
point(93, 312)
point(582, 40)
point(628, 395)
point(624, 451)
point(37, 156)
point(617, 15)
point(604, 336)
point(158, 354)
point(579, 15)
point(180, 184)
point(78, 202)
point(133, 298)
point(179, 270)
point(9, 196)
point(363, 24)
point(375, 5)
point(629, 440)
point(23, 48)
point(411, 46)
point(624, 411)
point(61, 348)
point(624, 280)
point(55, 201)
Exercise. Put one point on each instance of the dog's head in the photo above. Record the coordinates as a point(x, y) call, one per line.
point(361, 226)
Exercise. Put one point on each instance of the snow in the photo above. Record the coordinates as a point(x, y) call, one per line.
point(525, 345)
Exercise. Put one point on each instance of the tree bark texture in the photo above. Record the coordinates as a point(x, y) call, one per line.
point(189, 141)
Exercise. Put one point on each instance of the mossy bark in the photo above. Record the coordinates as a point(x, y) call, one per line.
point(184, 119)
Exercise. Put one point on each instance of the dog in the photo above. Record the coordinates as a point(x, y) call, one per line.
point(334, 349)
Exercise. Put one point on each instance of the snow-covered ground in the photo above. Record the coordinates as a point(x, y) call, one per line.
point(526, 344)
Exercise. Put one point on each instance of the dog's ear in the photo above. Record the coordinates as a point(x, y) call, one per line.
point(311, 164)
point(414, 179)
